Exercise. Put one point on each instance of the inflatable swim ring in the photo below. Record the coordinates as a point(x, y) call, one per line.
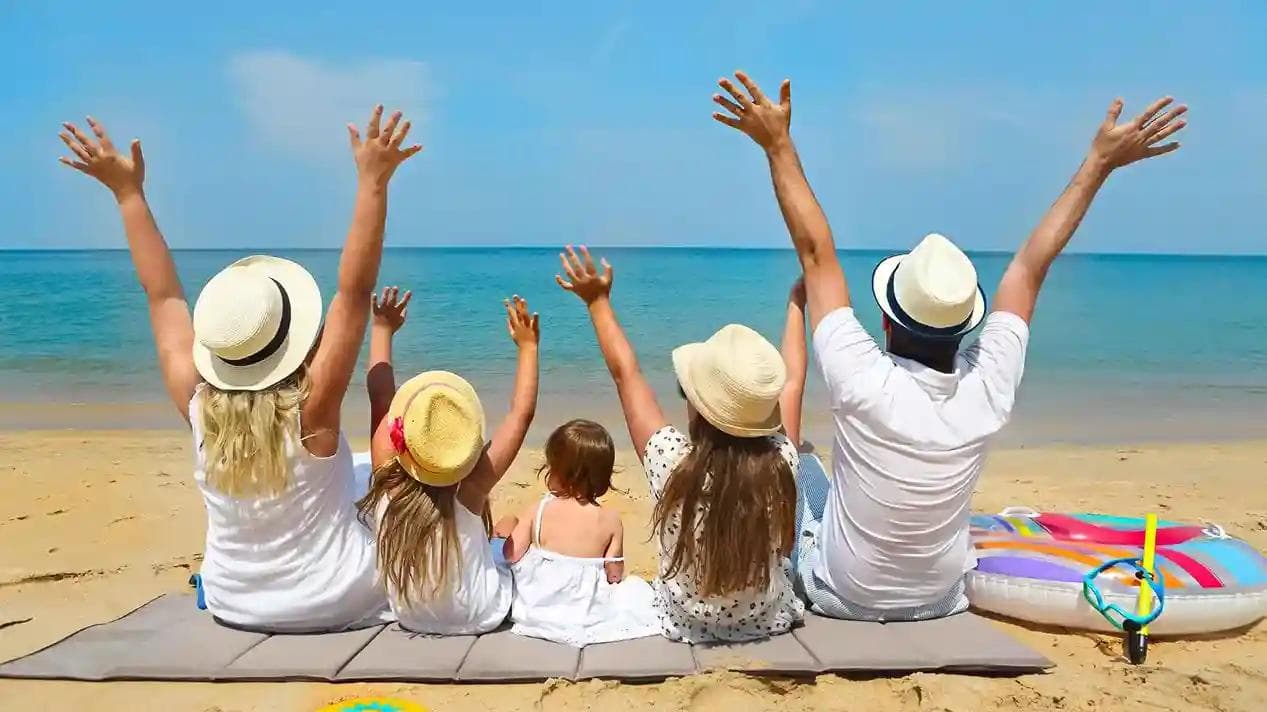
point(1030, 567)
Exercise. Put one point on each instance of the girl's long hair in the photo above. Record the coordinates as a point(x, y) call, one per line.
point(417, 533)
point(748, 493)
point(248, 436)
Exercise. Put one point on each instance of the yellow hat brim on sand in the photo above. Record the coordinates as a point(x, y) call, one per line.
point(443, 426)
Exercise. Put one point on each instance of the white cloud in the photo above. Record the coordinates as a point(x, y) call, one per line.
point(301, 105)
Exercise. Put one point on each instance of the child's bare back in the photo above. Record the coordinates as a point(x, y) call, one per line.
point(569, 521)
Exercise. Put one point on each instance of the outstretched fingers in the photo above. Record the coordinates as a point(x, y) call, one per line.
point(399, 138)
point(574, 263)
point(568, 272)
point(1166, 132)
point(376, 116)
point(739, 96)
point(1114, 112)
point(75, 147)
point(89, 146)
point(100, 132)
point(404, 301)
point(138, 158)
point(751, 86)
point(390, 129)
point(1167, 122)
point(729, 105)
point(81, 167)
point(589, 261)
point(1142, 120)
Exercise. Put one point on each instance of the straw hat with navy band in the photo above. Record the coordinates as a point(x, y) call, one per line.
point(931, 291)
point(255, 322)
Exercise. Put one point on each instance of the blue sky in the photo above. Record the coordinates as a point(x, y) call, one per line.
point(590, 121)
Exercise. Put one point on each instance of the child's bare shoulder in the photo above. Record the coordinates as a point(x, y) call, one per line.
point(610, 516)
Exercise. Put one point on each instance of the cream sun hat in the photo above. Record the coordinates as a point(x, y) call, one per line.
point(733, 380)
point(437, 428)
point(255, 322)
point(931, 291)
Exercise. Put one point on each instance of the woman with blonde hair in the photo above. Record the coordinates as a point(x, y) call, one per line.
point(261, 382)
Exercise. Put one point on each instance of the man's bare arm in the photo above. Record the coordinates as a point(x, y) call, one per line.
point(1114, 146)
point(769, 125)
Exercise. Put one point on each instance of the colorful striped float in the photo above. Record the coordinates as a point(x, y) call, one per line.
point(1030, 567)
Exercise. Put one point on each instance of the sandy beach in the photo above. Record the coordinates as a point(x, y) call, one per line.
point(93, 523)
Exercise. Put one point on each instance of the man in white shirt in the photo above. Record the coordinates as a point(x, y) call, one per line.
point(887, 538)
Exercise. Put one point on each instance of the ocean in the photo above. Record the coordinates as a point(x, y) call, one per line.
point(1124, 348)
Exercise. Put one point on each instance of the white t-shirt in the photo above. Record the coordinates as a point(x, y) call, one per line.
point(686, 615)
point(296, 562)
point(910, 443)
point(480, 591)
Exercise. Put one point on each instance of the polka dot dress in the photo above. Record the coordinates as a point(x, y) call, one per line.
point(689, 617)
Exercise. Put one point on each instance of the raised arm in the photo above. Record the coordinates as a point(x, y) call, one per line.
point(769, 125)
point(796, 358)
point(525, 331)
point(377, 158)
point(169, 312)
point(642, 413)
point(380, 381)
point(1114, 146)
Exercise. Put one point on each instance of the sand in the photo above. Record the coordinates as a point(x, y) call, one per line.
point(93, 523)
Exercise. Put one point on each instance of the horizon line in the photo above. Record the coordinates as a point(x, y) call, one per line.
point(752, 248)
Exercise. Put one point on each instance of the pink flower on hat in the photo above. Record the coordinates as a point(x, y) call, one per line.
point(398, 434)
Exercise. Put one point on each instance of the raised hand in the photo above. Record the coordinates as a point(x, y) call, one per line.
point(99, 158)
point(797, 294)
point(1117, 145)
point(378, 156)
point(391, 309)
point(524, 328)
point(762, 120)
point(583, 278)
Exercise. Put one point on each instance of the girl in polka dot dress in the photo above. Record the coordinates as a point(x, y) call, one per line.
point(725, 490)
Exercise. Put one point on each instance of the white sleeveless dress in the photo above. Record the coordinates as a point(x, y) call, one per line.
point(299, 561)
point(568, 600)
point(480, 595)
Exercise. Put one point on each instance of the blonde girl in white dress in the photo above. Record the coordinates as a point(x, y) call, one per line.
point(433, 471)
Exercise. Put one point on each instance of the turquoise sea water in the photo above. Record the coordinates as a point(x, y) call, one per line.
point(1123, 347)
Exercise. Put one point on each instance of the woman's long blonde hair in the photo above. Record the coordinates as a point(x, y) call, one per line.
point(248, 435)
point(417, 533)
point(748, 493)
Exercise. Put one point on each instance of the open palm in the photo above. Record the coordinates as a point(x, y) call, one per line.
point(1118, 145)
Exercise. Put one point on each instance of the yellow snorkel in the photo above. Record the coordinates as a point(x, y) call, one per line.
point(1137, 635)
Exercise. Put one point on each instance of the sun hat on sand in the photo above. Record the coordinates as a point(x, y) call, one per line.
point(437, 428)
point(733, 380)
point(255, 322)
point(931, 291)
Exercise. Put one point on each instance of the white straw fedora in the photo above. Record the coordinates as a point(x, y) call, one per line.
point(733, 380)
point(255, 322)
point(437, 426)
point(931, 291)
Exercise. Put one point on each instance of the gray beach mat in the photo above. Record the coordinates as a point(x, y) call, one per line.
point(170, 639)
